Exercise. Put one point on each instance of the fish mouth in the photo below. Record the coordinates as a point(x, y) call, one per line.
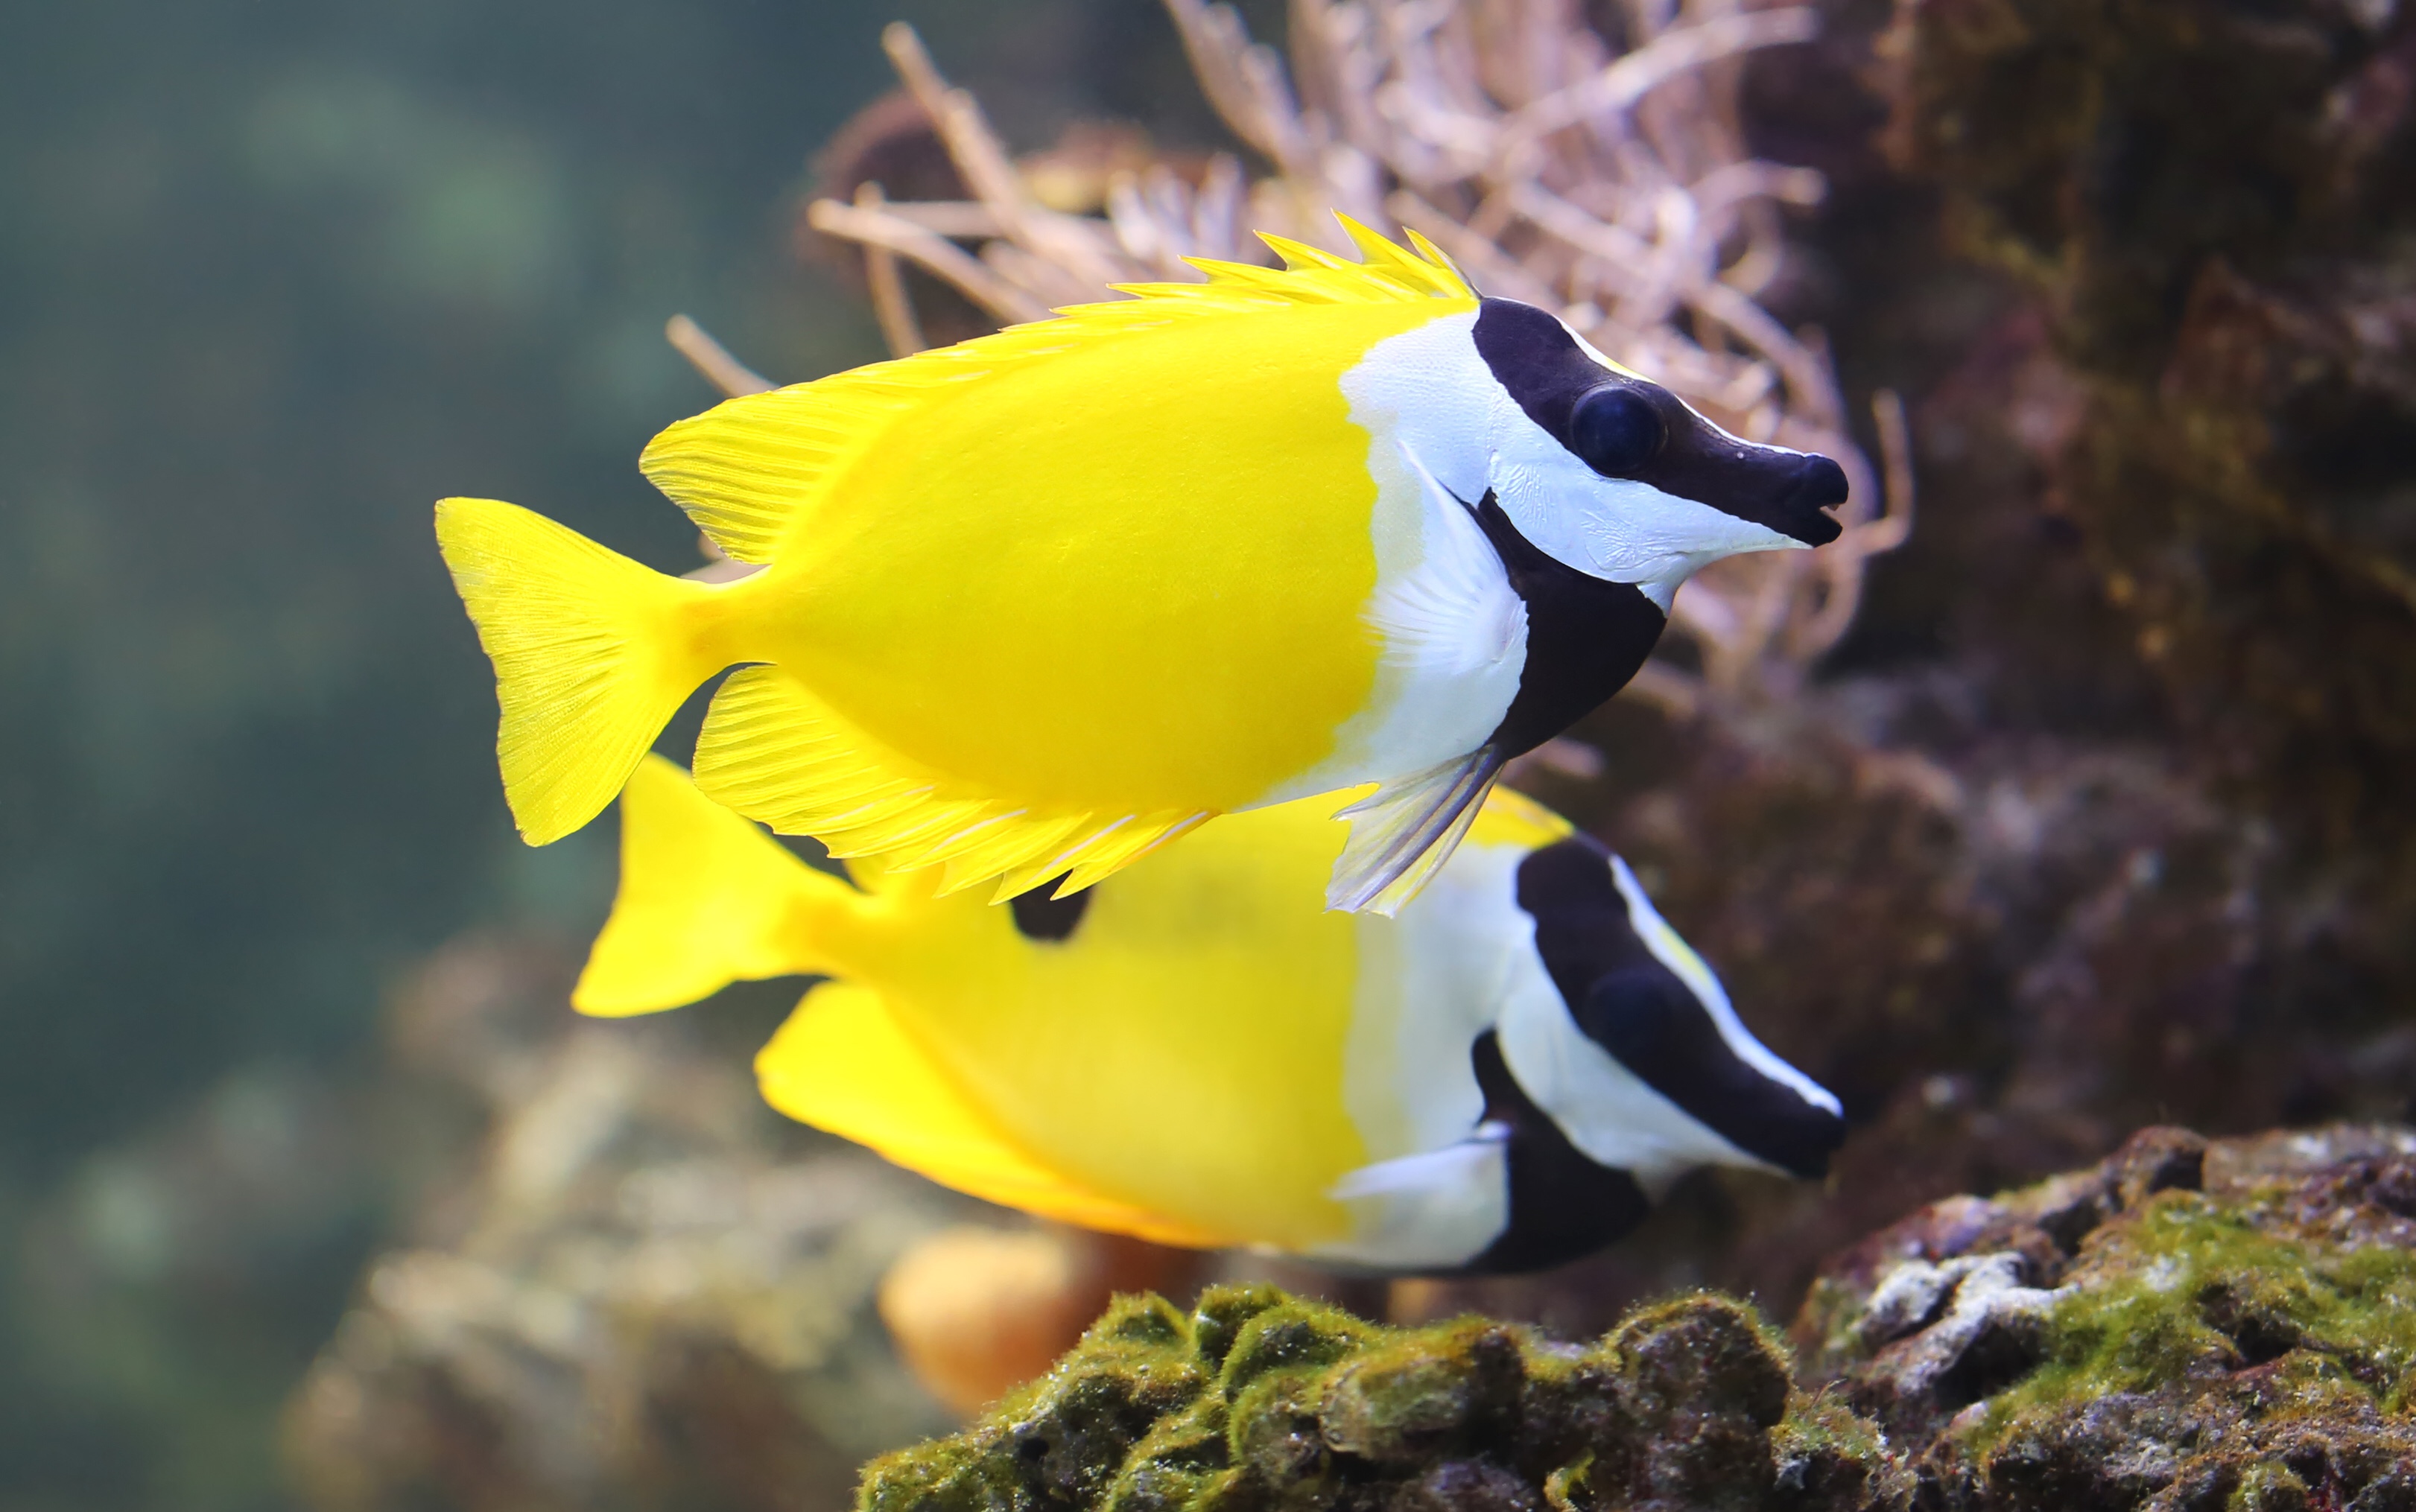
point(1800, 510)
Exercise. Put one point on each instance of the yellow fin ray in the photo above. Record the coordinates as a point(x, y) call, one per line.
point(1087, 858)
point(774, 752)
point(1299, 256)
point(999, 850)
point(1111, 854)
point(743, 468)
point(749, 470)
point(705, 900)
point(590, 650)
point(842, 1062)
point(912, 822)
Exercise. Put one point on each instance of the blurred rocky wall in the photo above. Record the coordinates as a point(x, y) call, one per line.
point(2101, 815)
point(630, 1285)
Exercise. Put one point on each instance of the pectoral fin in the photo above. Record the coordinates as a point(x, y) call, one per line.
point(842, 1062)
point(1403, 832)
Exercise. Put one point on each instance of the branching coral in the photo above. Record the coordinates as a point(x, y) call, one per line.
point(1610, 185)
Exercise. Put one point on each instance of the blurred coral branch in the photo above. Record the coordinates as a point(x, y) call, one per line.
point(1613, 187)
point(712, 359)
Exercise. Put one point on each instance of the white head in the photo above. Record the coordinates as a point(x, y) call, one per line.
point(1605, 472)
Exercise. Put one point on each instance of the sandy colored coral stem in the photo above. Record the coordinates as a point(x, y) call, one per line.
point(936, 253)
point(711, 358)
point(1637, 74)
point(891, 305)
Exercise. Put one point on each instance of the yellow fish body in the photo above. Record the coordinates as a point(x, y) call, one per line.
point(1034, 604)
point(1195, 1051)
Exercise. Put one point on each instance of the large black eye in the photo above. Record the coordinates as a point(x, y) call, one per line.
point(1615, 430)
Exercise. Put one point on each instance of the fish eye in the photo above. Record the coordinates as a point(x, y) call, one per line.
point(1615, 430)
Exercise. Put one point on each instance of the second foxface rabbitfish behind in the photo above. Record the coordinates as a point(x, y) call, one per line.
point(1034, 604)
point(1195, 1051)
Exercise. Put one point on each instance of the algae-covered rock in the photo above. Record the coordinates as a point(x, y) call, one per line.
point(2189, 1325)
point(1259, 1399)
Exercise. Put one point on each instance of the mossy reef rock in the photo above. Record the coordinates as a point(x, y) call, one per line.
point(2187, 1327)
point(1259, 1399)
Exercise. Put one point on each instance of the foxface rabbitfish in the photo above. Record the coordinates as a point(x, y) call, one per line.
point(1034, 604)
point(1500, 1077)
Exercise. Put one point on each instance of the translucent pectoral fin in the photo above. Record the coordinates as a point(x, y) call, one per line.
point(1403, 832)
point(842, 1062)
point(1454, 615)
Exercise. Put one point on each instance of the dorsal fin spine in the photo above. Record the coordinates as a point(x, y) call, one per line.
point(747, 468)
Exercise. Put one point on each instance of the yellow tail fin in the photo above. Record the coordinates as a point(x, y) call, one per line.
point(593, 654)
point(707, 899)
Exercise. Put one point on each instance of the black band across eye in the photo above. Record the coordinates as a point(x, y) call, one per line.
point(1615, 430)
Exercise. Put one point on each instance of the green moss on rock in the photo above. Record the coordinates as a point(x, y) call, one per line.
point(2193, 1287)
point(2191, 1326)
point(1260, 1401)
point(2195, 1327)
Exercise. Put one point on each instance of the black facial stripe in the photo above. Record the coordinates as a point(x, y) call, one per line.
point(1585, 637)
point(1657, 1029)
point(1581, 927)
point(1533, 355)
point(1627, 1002)
point(1563, 1206)
point(1039, 917)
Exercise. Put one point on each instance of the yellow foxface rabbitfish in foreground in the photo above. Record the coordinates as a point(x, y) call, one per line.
point(1196, 1050)
point(1035, 603)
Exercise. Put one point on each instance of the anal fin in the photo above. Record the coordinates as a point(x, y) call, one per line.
point(773, 751)
point(844, 1063)
point(1402, 833)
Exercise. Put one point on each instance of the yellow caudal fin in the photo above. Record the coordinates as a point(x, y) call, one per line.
point(842, 1063)
point(707, 899)
point(593, 654)
point(776, 753)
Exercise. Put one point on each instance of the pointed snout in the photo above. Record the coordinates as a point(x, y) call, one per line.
point(1777, 487)
point(1781, 490)
point(1818, 485)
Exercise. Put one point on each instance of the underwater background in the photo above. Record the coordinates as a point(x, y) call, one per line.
point(272, 279)
point(2098, 816)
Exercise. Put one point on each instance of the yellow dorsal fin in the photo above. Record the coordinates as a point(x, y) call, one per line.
point(841, 1063)
point(746, 470)
point(773, 751)
point(706, 899)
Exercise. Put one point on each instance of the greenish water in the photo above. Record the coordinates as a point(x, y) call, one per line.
point(273, 277)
